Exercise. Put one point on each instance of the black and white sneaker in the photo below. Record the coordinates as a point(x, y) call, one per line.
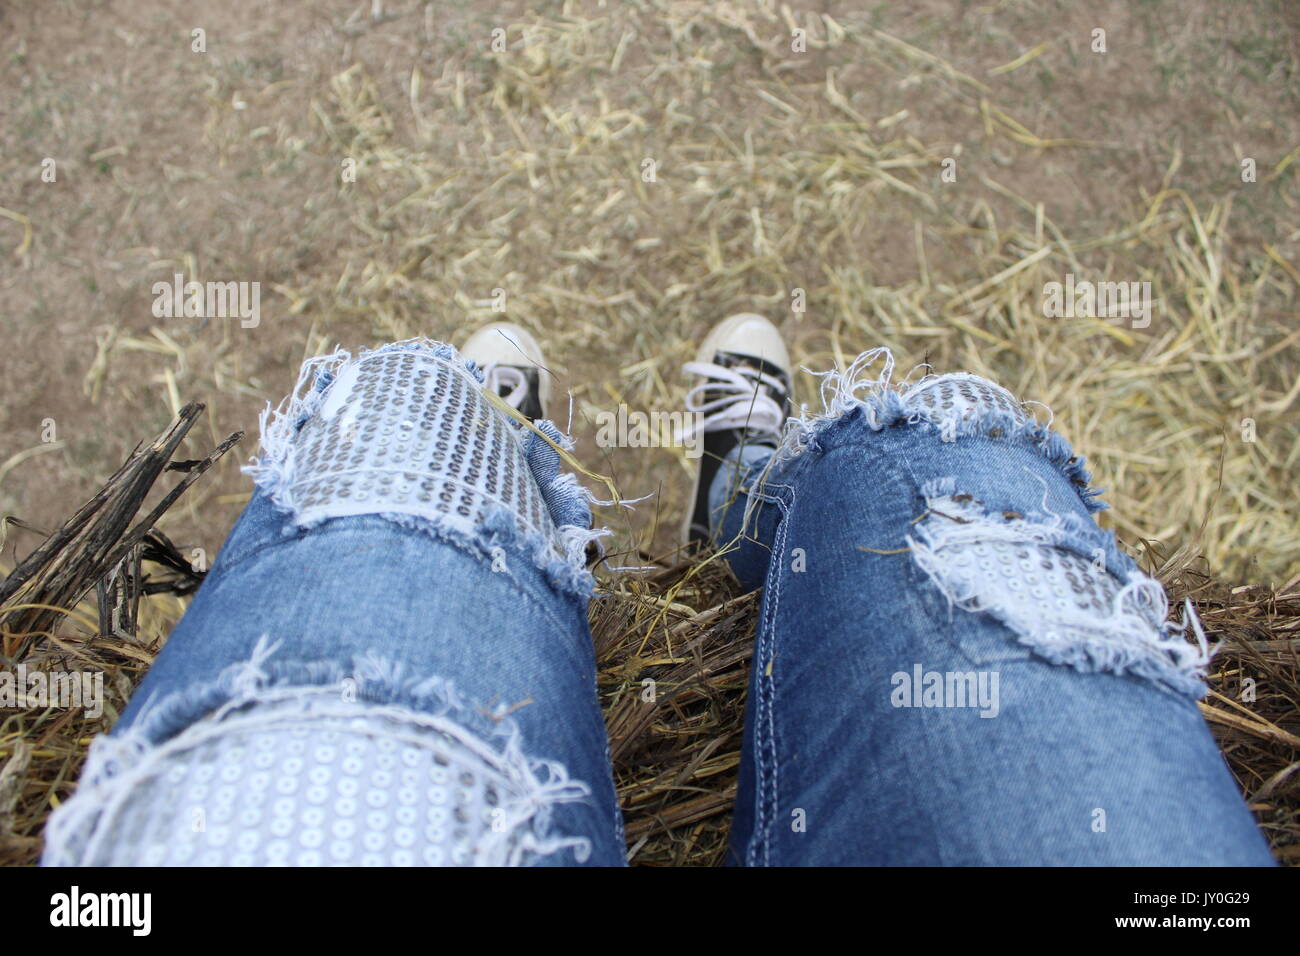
point(513, 367)
point(744, 398)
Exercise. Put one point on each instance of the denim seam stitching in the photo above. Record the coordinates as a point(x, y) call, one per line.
point(765, 732)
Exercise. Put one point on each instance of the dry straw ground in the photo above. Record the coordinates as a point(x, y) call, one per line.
point(775, 170)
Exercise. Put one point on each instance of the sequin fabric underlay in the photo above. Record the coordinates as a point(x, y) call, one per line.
point(964, 396)
point(406, 432)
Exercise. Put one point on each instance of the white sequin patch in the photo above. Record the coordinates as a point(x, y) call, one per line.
point(963, 396)
point(1028, 573)
point(307, 779)
point(406, 431)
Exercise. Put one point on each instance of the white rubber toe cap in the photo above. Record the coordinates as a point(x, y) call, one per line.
point(746, 333)
point(504, 343)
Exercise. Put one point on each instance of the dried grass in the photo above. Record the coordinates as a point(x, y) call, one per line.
point(776, 171)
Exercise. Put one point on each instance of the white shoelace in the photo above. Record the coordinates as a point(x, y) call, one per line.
point(745, 401)
point(497, 377)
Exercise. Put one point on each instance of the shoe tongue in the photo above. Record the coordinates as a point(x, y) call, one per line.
point(531, 406)
point(737, 359)
point(530, 403)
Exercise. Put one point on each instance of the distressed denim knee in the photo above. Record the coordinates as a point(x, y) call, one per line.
point(1056, 579)
point(304, 753)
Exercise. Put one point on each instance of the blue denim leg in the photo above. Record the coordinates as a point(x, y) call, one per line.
point(954, 664)
point(413, 685)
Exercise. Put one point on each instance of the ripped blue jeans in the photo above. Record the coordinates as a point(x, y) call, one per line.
point(389, 662)
point(954, 664)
